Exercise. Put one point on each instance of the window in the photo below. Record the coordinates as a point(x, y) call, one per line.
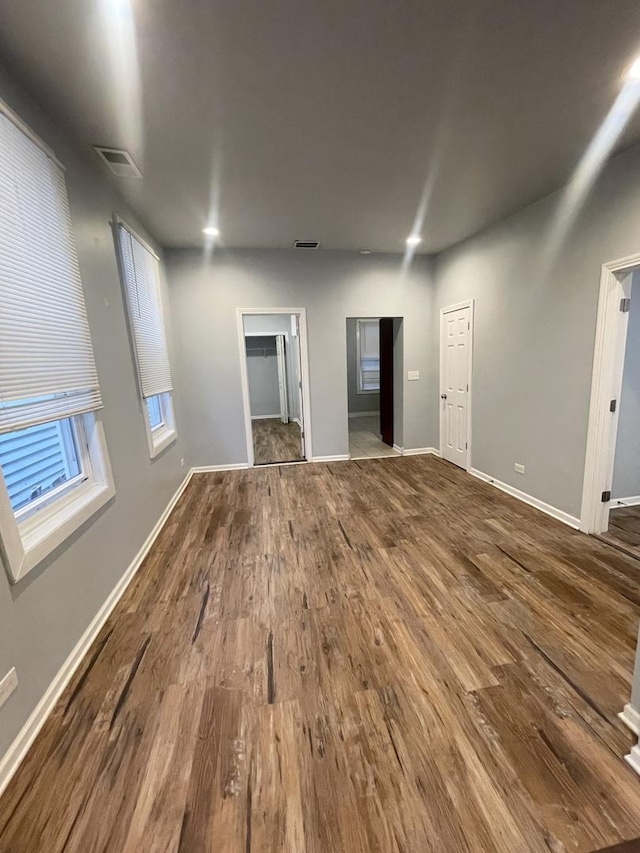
point(368, 354)
point(141, 280)
point(54, 469)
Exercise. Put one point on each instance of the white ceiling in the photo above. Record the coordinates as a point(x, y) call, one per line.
point(328, 119)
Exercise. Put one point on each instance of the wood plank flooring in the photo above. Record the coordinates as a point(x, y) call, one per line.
point(385, 655)
point(624, 529)
point(274, 441)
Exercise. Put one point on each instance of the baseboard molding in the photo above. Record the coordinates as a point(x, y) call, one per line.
point(20, 746)
point(342, 457)
point(266, 417)
point(634, 500)
point(420, 451)
point(633, 759)
point(398, 449)
point(206, 469)
point(631, 718)
point(553, 511)
point(363, 414)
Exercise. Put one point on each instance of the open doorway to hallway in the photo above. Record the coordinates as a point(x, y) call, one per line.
point(273, 380)
point(623, 528)
point(374, 386)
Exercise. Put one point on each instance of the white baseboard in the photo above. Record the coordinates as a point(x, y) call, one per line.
point(398, 449)
point(20, 746)
point(266, 417)
point(631, 718)
point(342, 457)
point(634, 500)
point(559, 514)
point(420, 451)
point(206, 469)
point(633, 759)
point(298, 421)
point(364, 414)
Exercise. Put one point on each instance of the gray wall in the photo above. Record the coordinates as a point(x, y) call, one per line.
point(262, 374)
point(357, 402)
point(43, 616)
point(331, 286)
point(535, 332)
point(626, 472)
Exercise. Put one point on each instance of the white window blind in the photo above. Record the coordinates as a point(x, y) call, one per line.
point(141, 275)
point(47, 369)
point(369, 355)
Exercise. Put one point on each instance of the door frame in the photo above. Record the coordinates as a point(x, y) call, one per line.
point(606, 385)
point(470, 304)
point(244, 377)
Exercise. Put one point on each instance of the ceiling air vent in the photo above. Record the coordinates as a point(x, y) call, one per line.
point(306, 244)
point(119, 162)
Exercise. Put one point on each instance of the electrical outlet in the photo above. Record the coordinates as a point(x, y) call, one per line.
point(8, 685)
point(182, 461)
point(412, 375)
point(519, 469)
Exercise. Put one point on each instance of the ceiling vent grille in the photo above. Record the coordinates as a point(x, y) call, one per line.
point(118, 161)
point(306, 244)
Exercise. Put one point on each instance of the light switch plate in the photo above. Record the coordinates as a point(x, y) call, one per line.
point(519, 469)
point(8, 685)
point(413, 374)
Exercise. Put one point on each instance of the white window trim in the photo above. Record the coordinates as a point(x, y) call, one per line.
point(165, 433)
point(26, 543)
point(359, 389)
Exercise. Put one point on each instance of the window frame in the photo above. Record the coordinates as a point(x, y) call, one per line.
point(28, 540)
point(163, 434)
point(359, 389)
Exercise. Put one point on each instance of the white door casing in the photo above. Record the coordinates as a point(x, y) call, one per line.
point(456, 328)
point(282, 379)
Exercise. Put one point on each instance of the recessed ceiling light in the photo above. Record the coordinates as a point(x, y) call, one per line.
point(634, 71)
point(210, 231)
point(365, 251)
point(413, 240)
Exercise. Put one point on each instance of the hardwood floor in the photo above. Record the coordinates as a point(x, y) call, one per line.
point(274, 441)
point(624, 529)
point(385, 655)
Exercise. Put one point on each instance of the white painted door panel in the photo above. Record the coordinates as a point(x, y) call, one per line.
point(455, 355)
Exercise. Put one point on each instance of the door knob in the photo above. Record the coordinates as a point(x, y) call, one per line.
point(443, 396)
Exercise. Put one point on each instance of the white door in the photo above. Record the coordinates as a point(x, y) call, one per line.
point(455, 361)
point(282, 379)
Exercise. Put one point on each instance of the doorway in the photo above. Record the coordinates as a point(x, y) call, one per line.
point(614, 437)
point(456, 347)
point(374, 386)
point(274, 379)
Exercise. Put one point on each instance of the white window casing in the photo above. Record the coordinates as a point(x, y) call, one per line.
point(47, 367)
point(140, 272)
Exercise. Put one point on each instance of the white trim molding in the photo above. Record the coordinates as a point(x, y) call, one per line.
point(633, 759)
point(606, 385)
point(341, 457)
point(630, 716)
point(12, 759)
point(206, 469)
point(420, 451)
point(617, 503)
point(266, 417)
point(553, 511)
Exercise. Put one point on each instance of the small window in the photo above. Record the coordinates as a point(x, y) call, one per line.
point(140, 271)
point(368, 353)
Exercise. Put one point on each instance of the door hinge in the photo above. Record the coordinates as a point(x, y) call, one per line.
point(612, 405)
point(606, 497)
point(300, 385)
point(625, 305)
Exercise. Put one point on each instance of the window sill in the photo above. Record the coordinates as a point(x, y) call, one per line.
point(160, 440)
point(39, 539)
